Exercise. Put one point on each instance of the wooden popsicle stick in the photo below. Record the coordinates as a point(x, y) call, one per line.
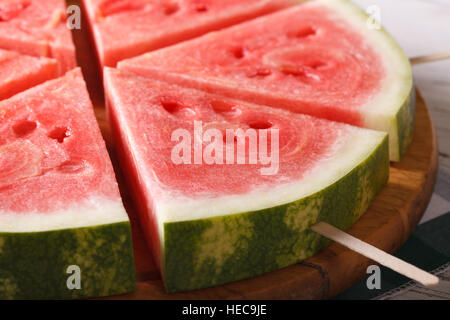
point(376, 254)
point(430, 58)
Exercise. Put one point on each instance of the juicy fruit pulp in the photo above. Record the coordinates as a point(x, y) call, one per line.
point(210, 227)
point(326, 64)
point(126, 28)
point(37, 28)
point(59, 201)
point(15, 78)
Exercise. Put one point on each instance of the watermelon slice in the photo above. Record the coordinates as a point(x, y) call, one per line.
point(37, 28)
point(235, 221)
point(126, 28)
point(15, 77)
point(59, 201)
point(318, 58)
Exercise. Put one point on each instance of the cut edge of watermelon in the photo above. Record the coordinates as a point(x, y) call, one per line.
point(364, 169)
point(94, 212)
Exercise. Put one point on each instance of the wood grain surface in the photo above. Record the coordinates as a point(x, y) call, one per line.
point(387, 223)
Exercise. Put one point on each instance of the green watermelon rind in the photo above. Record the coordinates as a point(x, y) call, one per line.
point(33, 265)
point(406, 120)
point(213, 251)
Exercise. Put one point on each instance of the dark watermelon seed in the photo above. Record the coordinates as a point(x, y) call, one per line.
point(59, 134)
point(24, 127)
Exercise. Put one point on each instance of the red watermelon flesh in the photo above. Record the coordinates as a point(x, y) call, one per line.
point(317, 58)
point(37, 28)
point(51, 151)
point(304, 140)
point(126, 28)
point(19, 72)
point(144, 114)
point(273, 52)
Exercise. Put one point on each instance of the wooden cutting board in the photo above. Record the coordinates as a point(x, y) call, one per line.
point(387, 223)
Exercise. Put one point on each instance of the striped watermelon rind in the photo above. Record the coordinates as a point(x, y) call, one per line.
point(217, 250)
point(34, 264)
point(405, 123)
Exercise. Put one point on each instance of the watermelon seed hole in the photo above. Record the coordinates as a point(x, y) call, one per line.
point(170, 106)
point(24, 127)
point(260, 125)
point(223, 107)
point(259, 72)
point(59, 134)
point(238, 52)
point(174, 107)
point(304, 32)
point(171, 8)
point(201, 8)
point(317, 64)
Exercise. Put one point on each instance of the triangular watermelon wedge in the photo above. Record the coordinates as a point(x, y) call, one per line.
point(211, 222)
point(60, 208)
point(126, 28)
point(37, 28)
point(320, 58)
point(19, 72)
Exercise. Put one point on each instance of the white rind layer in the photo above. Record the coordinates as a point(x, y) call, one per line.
point(95, 211)
point(381, 111)
point(348, 153)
